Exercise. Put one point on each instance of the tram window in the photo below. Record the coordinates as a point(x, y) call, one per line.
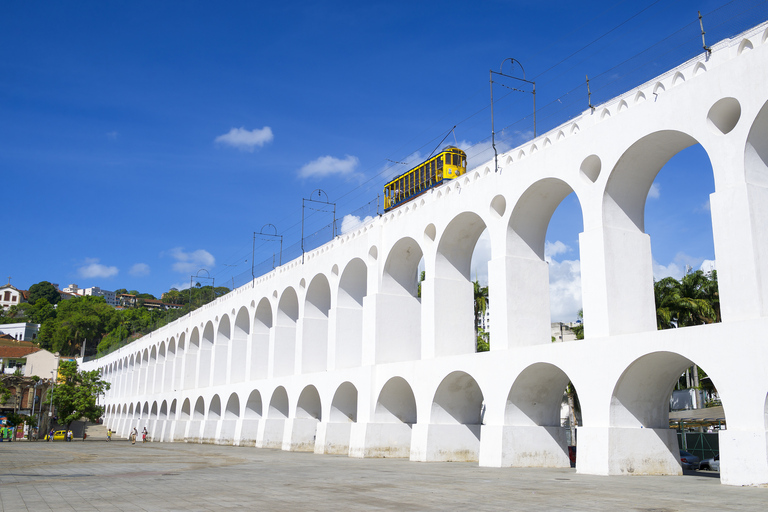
point(439, 163)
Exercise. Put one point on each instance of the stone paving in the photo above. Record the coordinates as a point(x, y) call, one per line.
point(116, 476)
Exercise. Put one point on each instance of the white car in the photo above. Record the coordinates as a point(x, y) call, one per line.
point(712, 464)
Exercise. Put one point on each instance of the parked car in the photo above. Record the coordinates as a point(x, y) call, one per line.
point(59, 435)
point(712, 464)
point(688, 460)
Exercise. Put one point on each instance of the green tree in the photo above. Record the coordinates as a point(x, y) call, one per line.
point(481, 306)
point(578, 330)
point(75, 397)
point(693, 300)
point(44, 290)
point(79, 320)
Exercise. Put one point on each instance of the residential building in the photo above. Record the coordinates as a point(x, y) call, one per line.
point(12, 296)
point(22, 331)
point(109, 297)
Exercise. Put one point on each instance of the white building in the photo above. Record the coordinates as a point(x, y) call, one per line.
point(11, 296)
point(109, 296)
point(21, 331)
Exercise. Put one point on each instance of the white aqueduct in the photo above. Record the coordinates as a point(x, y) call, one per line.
point(338, 355)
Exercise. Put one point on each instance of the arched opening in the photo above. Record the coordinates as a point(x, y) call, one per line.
point(205, 357)
point(344, 404)
point(240, 346)
point(314, 348)
point(221, 351)
point(262, 324)
point(353, 287)
point(643, 441)
point(395, 415)
point(199, 412)
point(343, 415)
point(450, 293)
point(170, 362)
point(538, 279)
point(400, 339)
point(191, 360)
point(180, 365)
point(232, 412)
point(214, 409)
point(253, 405)
point(456, 416)
point(285, 333)
point(636, 212)
point(277, 414)
point(543, 410)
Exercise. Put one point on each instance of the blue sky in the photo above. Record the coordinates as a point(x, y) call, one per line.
point(143, 141)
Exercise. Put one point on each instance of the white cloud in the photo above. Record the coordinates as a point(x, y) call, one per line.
point(112, 135)
point(190, 262)
point(93, 268)
point(139, 270)
point(351, 222)
point(677, 267)
point(655, 191)
point(329, 165)
point(708, 266)
point(553, 249)
point(180, 286)
point(246, 140)
point(564, 290)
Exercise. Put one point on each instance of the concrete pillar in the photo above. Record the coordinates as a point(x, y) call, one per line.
point(520, 302)
point(617, 282)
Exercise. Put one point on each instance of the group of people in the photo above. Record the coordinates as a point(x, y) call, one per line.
point(135, 434)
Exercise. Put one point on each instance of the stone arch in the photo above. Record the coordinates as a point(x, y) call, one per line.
point(253, 406)
point(172, 410)
point(457, 413)
point(164, 410)
point(353, 288)
point(308, 405)
point(458, 400)
point(399, 296)
point(186, 410)
point(317, 305)
point(528, 309)
point(169, 367)
point(153, 411)
point(396, 403)
point(639, 416)
point(214, 408)
point(533, 411)
point(629, 303)
point(278, 404)
point(344, 404)
point(191, 360)
point(221, 351)
point(240, 333)
point(450, 291)
point(285, 333)
point(262, 325)
point(198, 414)
point(180, 365)
point(232, 410)
point(205, 356)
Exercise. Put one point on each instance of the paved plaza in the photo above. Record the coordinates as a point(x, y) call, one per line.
point(96, 475)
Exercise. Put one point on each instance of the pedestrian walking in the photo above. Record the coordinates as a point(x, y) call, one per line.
point(109, 434)
point(69, 436)
point(134, 433)
point(144, 435)
point(50, 435)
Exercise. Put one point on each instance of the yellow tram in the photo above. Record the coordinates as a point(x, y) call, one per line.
point(450, 163)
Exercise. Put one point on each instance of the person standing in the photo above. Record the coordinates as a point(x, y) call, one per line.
point(134, 433)
point(109, 434)
point(144, 435)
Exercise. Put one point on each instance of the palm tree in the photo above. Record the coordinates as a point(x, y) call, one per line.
point(481, 306)
point(691, 301)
